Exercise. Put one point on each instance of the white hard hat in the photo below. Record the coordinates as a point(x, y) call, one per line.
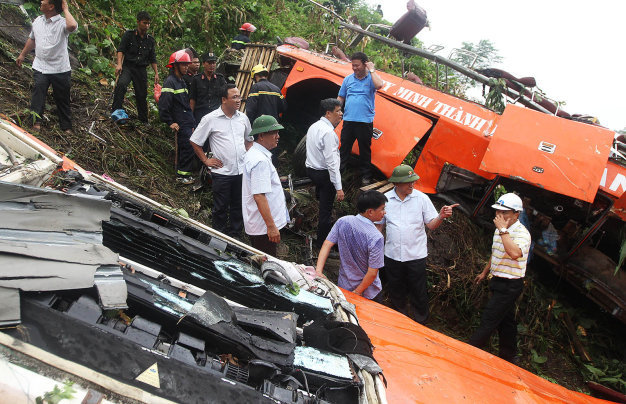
point(509, 201)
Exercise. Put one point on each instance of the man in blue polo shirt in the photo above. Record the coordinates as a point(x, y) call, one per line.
point(357, 94)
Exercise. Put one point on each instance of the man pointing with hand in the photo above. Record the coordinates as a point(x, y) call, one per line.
point(409, 212)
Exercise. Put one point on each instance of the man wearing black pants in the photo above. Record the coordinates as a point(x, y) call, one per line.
point(507, 268)
point(357, 92)
point(51, 66)
point(226, 131)
point(322, 163)
point(409, 212)
point(135, 53)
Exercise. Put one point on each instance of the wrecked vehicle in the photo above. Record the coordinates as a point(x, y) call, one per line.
point(156, 307)
point(571, 176)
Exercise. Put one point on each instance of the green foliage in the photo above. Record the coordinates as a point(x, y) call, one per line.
point(486, 52)
point(56, 395)
point(608, 373)
point(495, 99)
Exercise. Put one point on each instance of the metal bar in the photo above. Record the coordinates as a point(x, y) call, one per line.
point(446, 62)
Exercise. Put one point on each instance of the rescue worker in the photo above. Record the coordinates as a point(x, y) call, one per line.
point(357, 93)
point(322, 164)
point(263, 200)
point(193, 68)
point(175, 111)
point(507, 268)
point(408, 213)
point(226, 130)
point(243, 38)
point(206, 88)
point(360, 245)
point(48, 37)
point(264, 97)
point(135, 53)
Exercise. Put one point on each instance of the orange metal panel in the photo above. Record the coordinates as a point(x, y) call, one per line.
point(424, 366)
point(449, 143)
point(401, 127)
point(556, 154)
point(407, 93)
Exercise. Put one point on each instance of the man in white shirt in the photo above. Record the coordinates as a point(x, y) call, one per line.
point(51, 66)
point(264, 205)
point(408, 213)
point(227, 131)
point(322, 163)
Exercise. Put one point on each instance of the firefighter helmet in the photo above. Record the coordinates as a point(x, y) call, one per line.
point(247, 27)
point(258, 69)
point(179, 56)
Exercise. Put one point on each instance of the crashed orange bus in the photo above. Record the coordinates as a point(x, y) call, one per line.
point(125, 293)
point(571, 174)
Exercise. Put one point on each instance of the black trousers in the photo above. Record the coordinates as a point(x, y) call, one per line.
point(186, 159)
point(362, 133)
point(499, 314)
point(325, 193)
point(263, 243)
point(404, 279)
point(227, 216)
point(61, 83)
point(139, 77)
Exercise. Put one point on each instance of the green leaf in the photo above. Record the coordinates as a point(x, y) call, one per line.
point(594, 371)
point(538, 358)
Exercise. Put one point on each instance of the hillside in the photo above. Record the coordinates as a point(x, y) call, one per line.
point(141, 157)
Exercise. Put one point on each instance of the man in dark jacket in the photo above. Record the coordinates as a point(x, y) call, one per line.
point(264, 97)
point(206, 88)
point(135, 53)
point(175, 111)
point(193, 68)
point(240, 41)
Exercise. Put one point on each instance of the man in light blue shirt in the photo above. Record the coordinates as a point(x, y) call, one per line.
point(361, 247)
point(409, 212)
point(357, 93)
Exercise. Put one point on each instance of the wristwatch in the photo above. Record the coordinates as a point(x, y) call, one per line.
point(503, 230)
point(372, 70)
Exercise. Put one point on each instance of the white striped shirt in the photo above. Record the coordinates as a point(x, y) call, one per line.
point(504, 266)
point(50, 35)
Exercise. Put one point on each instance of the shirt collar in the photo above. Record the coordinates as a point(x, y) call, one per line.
point(262, 149)
point(395, 195)
point(221, 113)
point(363, 218)
point(54, 17)
point(323, 119)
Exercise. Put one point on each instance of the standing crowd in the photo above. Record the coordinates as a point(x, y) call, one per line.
point(387, 234)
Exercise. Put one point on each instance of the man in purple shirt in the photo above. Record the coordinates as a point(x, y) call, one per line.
point(361, 247)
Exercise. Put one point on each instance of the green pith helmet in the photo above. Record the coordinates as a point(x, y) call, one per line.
point(403, 173)
point(265, 123)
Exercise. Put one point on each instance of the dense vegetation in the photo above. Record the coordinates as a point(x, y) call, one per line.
point(141, 158)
